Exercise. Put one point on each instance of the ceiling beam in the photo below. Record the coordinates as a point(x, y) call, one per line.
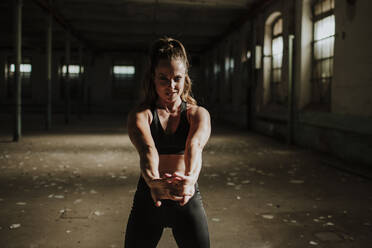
point(215, 4)
point(143, 29)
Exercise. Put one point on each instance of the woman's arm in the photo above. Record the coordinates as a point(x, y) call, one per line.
point(200, 130)
point(140, 135)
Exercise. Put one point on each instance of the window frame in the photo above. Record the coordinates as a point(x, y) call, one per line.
point(274, 85)
point(324, 101)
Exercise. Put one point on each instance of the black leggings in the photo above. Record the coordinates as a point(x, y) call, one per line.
point(146, 221)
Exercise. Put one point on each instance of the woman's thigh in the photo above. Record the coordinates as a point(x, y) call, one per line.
point(190, 228)
point(144, 228)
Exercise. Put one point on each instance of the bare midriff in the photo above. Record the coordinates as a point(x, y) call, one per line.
point(170, 163)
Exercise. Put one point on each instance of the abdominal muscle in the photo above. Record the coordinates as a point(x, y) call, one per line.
point(170, 163)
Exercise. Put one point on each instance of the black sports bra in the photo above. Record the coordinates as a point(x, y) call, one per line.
point(173, 143)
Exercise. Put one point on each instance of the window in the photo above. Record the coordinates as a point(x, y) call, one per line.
point(123, 80)
point(217, 72)
point(74, 72)
point(276, 88)
point(25, 70)
point(323, 48)
point(229, 71)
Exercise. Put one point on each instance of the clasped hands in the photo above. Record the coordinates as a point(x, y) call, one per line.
point(176, 187)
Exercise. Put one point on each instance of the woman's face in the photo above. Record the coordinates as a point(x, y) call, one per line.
point(170, 79)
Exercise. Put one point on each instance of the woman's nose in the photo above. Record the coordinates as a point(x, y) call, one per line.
point(171, 83)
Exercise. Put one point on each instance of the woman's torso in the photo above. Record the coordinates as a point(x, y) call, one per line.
point(170, 133)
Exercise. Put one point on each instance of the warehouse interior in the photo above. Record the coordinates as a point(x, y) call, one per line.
point(287, 84)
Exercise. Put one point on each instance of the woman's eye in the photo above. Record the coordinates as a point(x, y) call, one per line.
point(177, 79)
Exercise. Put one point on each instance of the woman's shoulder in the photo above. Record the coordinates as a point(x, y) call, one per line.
point(140, 112)
point(194, 110)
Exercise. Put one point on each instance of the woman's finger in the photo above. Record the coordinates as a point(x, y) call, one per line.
point(185, 200)
point(176, 197)
point(179, 175)
point(155, 199)
point(168, 175)
point(157, 203)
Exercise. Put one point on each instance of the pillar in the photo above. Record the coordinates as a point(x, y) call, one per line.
point(67, 79)
point(17, 73)
point(49, 71)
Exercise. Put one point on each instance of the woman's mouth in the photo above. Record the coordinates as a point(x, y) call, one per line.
point(171, 93)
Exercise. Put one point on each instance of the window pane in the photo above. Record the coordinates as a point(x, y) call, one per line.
point(324, 28)
point(317, 70)
point(27, 68)
point(277, 61)
point(277, 45)
point(232, 64)
point(124, 69)
point(227, 63)
point(278, 27)
point(72, 69)
point(331, 67)
point(324, 48)
point(323, 6)
point(323, 69)
point(277, 57)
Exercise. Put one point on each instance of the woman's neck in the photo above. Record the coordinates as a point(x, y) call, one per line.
point(170, 107)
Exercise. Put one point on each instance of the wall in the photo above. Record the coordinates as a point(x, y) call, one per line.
point(353, 59)
point(346, 130)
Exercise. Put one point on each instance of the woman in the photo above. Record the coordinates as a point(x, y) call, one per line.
point(169, 132)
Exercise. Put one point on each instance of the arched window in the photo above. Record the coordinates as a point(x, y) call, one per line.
point(274, 88)
point(323, 48)
point(277, 95)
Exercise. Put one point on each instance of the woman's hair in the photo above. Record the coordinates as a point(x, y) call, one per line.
point(169, 49)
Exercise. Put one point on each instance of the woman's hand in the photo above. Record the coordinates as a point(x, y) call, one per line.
point(182, 186)
point(161, 189)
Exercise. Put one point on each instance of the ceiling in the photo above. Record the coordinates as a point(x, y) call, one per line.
point(125, 25)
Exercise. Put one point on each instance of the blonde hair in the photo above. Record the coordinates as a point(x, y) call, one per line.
point(164, 48)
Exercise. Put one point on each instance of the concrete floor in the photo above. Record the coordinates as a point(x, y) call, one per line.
point(73, 187)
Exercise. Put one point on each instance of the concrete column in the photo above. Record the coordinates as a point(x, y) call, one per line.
point(251, 76)
point(291, 92)
point(85, 82)
point(17, 74)
point(80, 100)
point(2, 80)
point(49, 71)
point(67, 79)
